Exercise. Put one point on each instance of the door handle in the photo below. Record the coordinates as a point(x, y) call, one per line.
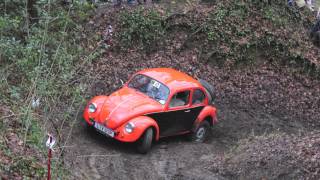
point(187, 110)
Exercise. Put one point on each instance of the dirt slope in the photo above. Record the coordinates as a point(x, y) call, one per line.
point(256, 100)
point(94, 156)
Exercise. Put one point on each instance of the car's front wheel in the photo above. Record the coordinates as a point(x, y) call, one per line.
point(201, 133)
point(145, 141)
point(86, 126)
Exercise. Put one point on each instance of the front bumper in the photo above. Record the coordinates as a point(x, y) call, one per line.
point(119, 133)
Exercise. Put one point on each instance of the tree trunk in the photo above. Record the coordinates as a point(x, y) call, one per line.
point(32, 11)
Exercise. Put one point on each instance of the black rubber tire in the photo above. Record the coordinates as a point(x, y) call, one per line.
point(145, 141)
point(87, 127)
point(204, 126)
point(209, 89)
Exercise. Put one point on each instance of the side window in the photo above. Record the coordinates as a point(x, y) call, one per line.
point(180, 99)
point(198, 97)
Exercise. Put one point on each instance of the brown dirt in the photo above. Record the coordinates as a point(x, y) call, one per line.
point(273, 156)
point(248, 105)
point(252, 101)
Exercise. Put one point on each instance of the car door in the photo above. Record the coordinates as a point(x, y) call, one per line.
point(179, 117)
point(185, 123)
point(197, 104)
point(169, 122)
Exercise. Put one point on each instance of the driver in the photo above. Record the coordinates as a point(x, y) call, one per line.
point(156, 92)
point(142, 83)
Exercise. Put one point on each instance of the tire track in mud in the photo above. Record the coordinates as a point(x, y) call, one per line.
point(94, 170)
point(165, 167)
point(94, 156)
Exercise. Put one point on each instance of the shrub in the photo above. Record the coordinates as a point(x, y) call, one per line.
point(38, 60)
point(143, 27)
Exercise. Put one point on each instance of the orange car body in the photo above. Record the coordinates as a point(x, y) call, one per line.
point(126, 105)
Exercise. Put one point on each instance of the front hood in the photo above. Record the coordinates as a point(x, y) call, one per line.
point(124, 105)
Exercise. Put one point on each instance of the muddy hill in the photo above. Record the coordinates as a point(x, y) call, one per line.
point(258, 56)
point(266, 74)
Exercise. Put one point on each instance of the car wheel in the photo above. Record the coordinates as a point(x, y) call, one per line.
point(209, 89)
point(201, 133)
point(86, 126)
point(145, 142)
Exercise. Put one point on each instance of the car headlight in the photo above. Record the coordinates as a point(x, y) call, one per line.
point(92, 108)
point(129, 127)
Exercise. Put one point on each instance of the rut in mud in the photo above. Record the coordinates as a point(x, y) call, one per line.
point(256, 100)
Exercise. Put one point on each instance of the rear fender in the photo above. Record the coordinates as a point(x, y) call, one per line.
point(208, 111)
point(141, 123)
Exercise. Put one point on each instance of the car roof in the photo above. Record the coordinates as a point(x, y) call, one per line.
point(172, 78)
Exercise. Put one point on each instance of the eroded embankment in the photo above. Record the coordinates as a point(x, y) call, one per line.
point(242, 113)
point(261, 99)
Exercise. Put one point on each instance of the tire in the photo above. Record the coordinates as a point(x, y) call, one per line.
point(145, 141)
point(201, 133)
point(87, 127)
point(209, 89)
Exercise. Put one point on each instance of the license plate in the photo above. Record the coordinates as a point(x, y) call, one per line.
point(103, 129)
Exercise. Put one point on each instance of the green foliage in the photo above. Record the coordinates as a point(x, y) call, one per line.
point(276, 16)
point(80, 9)
point(228, 25)
point(33, 131)
point(38, 60)
point(9, 24)
point(10, 49)
point(26, 166)
point(51, 48)
point(220, 15)
point(240, 10)
point(143, 27)
point(13, 8)
point(211, 35)
point(226, 17)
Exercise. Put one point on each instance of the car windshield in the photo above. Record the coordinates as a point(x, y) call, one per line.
point(150, 87)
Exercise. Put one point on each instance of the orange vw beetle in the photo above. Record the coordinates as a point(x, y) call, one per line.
point(154, 103)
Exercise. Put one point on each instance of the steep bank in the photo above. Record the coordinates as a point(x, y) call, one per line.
point(258, 56)
point(259, 65)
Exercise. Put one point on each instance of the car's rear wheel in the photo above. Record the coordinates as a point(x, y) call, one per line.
point(209, 89)
point(145, 141)
point(201, 133)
